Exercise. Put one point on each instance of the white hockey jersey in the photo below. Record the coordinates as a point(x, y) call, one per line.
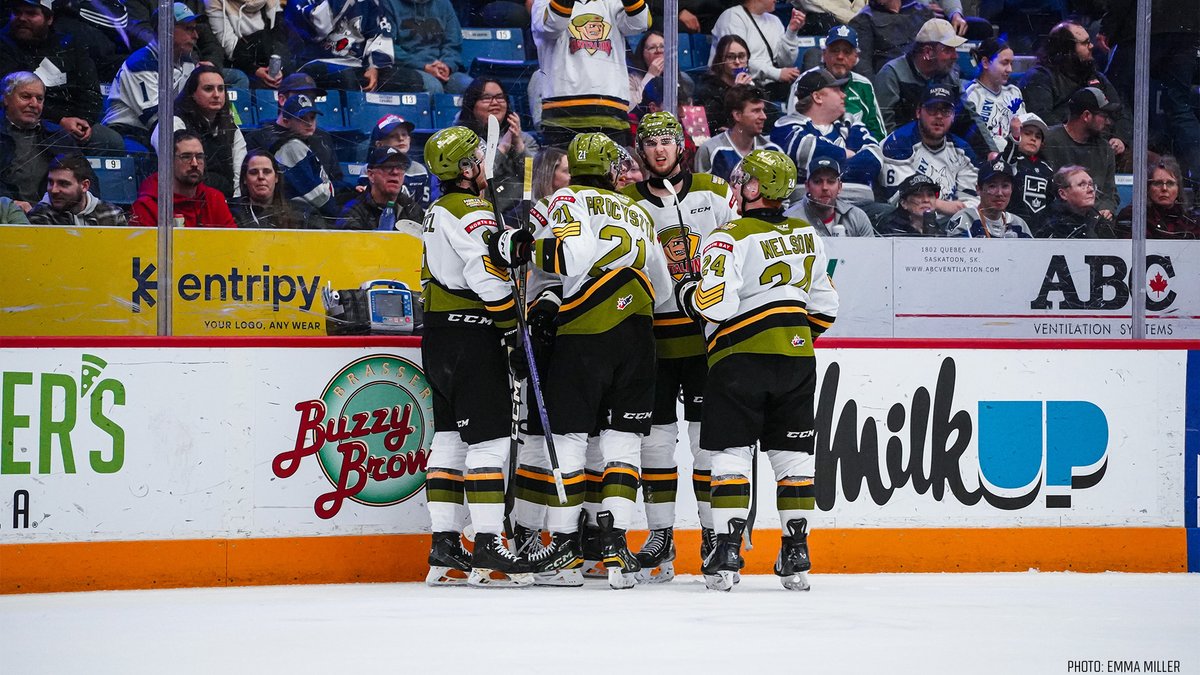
point(765, 287)
point(600, 245)
point(705, 202)
point(994, 111)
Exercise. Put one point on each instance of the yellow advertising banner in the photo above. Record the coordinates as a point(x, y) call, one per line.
point(227, 282)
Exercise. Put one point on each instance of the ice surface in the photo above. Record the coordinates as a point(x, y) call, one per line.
point(931, 624)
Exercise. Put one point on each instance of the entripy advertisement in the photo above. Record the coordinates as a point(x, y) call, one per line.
point(182, 443)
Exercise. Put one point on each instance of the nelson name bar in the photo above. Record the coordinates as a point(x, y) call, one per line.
point(1123, 666)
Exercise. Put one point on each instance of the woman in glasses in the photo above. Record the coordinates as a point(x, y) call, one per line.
point(486, 97)
point(203, 107)
point(646, 65)
point(730, 66)
point(1074, 214)
point(1167, 216)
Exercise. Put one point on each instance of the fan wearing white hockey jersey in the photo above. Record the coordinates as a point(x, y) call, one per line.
point(991, 101)
point(470, 317)
point(601, 246)
point(684, 207)
point(765, 295)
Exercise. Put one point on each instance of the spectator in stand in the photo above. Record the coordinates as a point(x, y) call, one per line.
point(249, 32)
point(207, 48)
point(550, 172)
point(203, 107)
point(133, 99)
point(486, 97)
point(823, 15)
point(730, 67)
point(584, 81)
point(821, 206)
point(68, 198)
point(746, 107)
point(903, 81)
point(839, 57)
point(695, 16)
point(29, 43)
point(1065, 67)
point(926, 146)
point(196, 204)
point(385, 192)
point(1074, 214)
point(27, 142)
point(820, 127)
point(991, 218)
point(773, 48)
point(393, 131)
point(1167, 217)
point(645, 74)
point(347, 44)
point(106, 29)
point(1031, 186)
point(272, 135)
point(293, 140)
point(886, 28)
point(991, 101)
point(1081, 141)
point(262, 205)
point(428, 39)
point(11, 214)
point(915, 214)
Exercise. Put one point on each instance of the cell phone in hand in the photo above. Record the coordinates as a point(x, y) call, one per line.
point(739, 71)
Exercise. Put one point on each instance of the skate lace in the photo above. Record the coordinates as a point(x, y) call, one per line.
point(545, 553)
point(502, 551)
point(656, 543)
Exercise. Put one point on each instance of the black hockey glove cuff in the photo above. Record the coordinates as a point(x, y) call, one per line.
point(517, 362)
point(541, 319)
point(510, 248)
point(684, 291)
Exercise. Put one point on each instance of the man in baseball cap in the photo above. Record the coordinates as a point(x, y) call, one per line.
point(396, 132)
point(820, 126)
point(915, 214)
point(840, 56)
point(1083, 140)
point(931, 59)
point(991, 218)
point(821, 206)
point(386, 167)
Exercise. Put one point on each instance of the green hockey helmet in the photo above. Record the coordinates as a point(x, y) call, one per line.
point(774, 170)
point(593, 155)
point(660, 123)
point(446, 150)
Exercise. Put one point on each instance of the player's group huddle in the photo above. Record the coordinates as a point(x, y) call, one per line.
point(614, 305)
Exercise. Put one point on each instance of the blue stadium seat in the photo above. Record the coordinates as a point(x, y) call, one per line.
point(967, 68)
point(117, 177)
point(701, 46)
point(445, 109)
point(514, 75)
point(353, 170)
point(1124, 190)
point(243, 105)
point(493, 43)
point(363, 110)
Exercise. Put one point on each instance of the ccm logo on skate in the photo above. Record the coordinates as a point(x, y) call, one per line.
point(636, 416)
point(468, 318)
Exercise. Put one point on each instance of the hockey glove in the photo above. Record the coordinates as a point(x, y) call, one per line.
point(684, 291)
point(517, 363)
point(510, 248)
point(541, 319)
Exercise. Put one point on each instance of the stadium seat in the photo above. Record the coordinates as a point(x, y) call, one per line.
point(968, 69)
point(117, 177)
point(514, 75)
point(353, 170)
point(1124, 190)
point(331, 105)
point(493, 43)
point(445, 109)
point(243, 105)
point(363, 110)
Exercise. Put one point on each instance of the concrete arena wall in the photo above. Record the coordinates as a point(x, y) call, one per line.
point(147, 462)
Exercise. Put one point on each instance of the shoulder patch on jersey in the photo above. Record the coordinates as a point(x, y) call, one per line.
point(476, 202)
point(561, 198)
point(533, 213)
point(723, 245)
point(726, 226)
point(482, 222)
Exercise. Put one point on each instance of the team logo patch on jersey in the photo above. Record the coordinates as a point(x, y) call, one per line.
point(589, 32)
point(797, 341)
point(482, 222)
point(624, 302)
point(726, 226)
point(477, 203)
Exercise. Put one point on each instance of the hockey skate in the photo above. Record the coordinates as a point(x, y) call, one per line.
point(725, 559)
point(558, 564)
point(708, 540)
point(449, 562)
point(657, 557)
point(526, 542)
point(589, 547)
point(793, 564)
point(494, 566)
point(622, 565)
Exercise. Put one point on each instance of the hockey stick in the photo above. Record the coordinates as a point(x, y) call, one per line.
point(535, 383)
point(515, 440)
point(753, 501)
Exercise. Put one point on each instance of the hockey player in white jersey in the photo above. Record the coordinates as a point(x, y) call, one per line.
point(685, 207)
point(765, 295)
point(600, 245)
point(470, 318)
